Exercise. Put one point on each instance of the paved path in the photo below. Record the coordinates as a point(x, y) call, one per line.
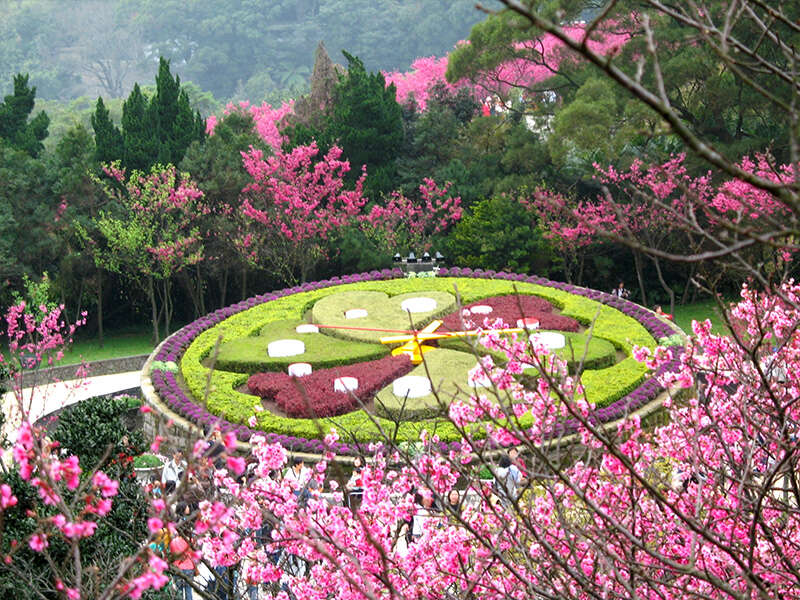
point(43, 400)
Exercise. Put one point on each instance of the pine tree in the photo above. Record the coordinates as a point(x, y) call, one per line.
point(367, 123)
point(14, 125)
point(109, 144)
point(141, 145)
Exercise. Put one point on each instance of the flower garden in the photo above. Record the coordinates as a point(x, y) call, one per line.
point(232, 367)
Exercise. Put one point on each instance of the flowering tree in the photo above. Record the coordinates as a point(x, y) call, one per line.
point(294, 202)
point(403, 224)
point(662, 212)
point(266, 118)
point(152, 237)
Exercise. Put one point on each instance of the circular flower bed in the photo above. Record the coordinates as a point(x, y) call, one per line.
point(616, 390)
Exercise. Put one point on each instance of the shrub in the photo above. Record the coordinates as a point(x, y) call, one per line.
point(313, 395)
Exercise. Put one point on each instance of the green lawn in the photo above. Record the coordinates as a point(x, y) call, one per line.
point(699, 311)
point(117, 344)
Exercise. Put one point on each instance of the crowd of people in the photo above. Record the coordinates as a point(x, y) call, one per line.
point(187, 486)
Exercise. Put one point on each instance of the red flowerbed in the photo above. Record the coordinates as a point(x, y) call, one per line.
point(511, 308)
point(313, 395)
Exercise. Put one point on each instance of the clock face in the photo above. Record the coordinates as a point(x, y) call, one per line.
point(403, 356)
point(331, 337)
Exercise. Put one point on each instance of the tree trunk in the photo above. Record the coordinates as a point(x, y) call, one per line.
point(154, 317)
point(244, 282)
point(223, 288)
point(664, 285)
point(100, 306)
point(637, 261)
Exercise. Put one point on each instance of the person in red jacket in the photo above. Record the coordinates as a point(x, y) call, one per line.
point(183, 557)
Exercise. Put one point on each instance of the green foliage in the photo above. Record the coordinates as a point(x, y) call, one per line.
point(366, 122)
point(27, 212)
point(140, 145)
point(147, 461)
point(383, 312)
point(94, 430)
point(109, 143)
point(155, 130)
point(603, 386)
point(499, 233)
point(322, 351)
point(15, 128)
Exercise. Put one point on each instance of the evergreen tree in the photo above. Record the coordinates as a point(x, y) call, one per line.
point(109, 144)
point(140, 147)
point(367, 123)
point(14, 125)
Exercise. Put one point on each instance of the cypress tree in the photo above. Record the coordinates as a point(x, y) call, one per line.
point(141, 145)
point(109, 145)
point(14, 113)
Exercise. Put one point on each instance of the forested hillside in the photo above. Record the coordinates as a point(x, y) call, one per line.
point(236, 49)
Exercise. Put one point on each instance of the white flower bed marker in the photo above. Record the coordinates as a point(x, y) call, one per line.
point(345, 384)
point(528, 323)
point(550, 339)
point(355, 313)
point(299, 369)
point(281, 348)
point(411, 386)
point(481, 309)
point(307, 328)
point(418, 305)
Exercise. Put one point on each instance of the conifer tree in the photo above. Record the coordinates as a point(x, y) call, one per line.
point(140, 149)
point(15, 128)
point(109, 144)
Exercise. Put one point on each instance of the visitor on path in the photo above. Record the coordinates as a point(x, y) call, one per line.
point(298, 477)
point(620, 291)
point(354, 485)
point(173, 468)
point(662, 314)
point(519, 462)
point(507, 480)
point(453, 503)
point(486, 107)
point(183, 557)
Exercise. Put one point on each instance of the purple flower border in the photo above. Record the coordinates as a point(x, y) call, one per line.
point(167, 388)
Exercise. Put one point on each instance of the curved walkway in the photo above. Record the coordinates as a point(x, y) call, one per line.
point(40, 401)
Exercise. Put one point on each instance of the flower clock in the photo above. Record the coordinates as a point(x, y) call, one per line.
point(377, 355)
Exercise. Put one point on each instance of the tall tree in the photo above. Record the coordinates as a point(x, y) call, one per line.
point(216, 166)
point(140, 146)
point(15, 128)
point(367, 123)
point(149, 234)
point(108, 141)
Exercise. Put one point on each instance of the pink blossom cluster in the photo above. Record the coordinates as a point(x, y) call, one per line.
point(296, 196)
point(404, 222)
point(267, 120)
point(545, 55)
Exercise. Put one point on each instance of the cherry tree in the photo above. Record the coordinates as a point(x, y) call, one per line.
point(151, 236)
point(402, 223)
point(296, 200)
point(268, 120)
